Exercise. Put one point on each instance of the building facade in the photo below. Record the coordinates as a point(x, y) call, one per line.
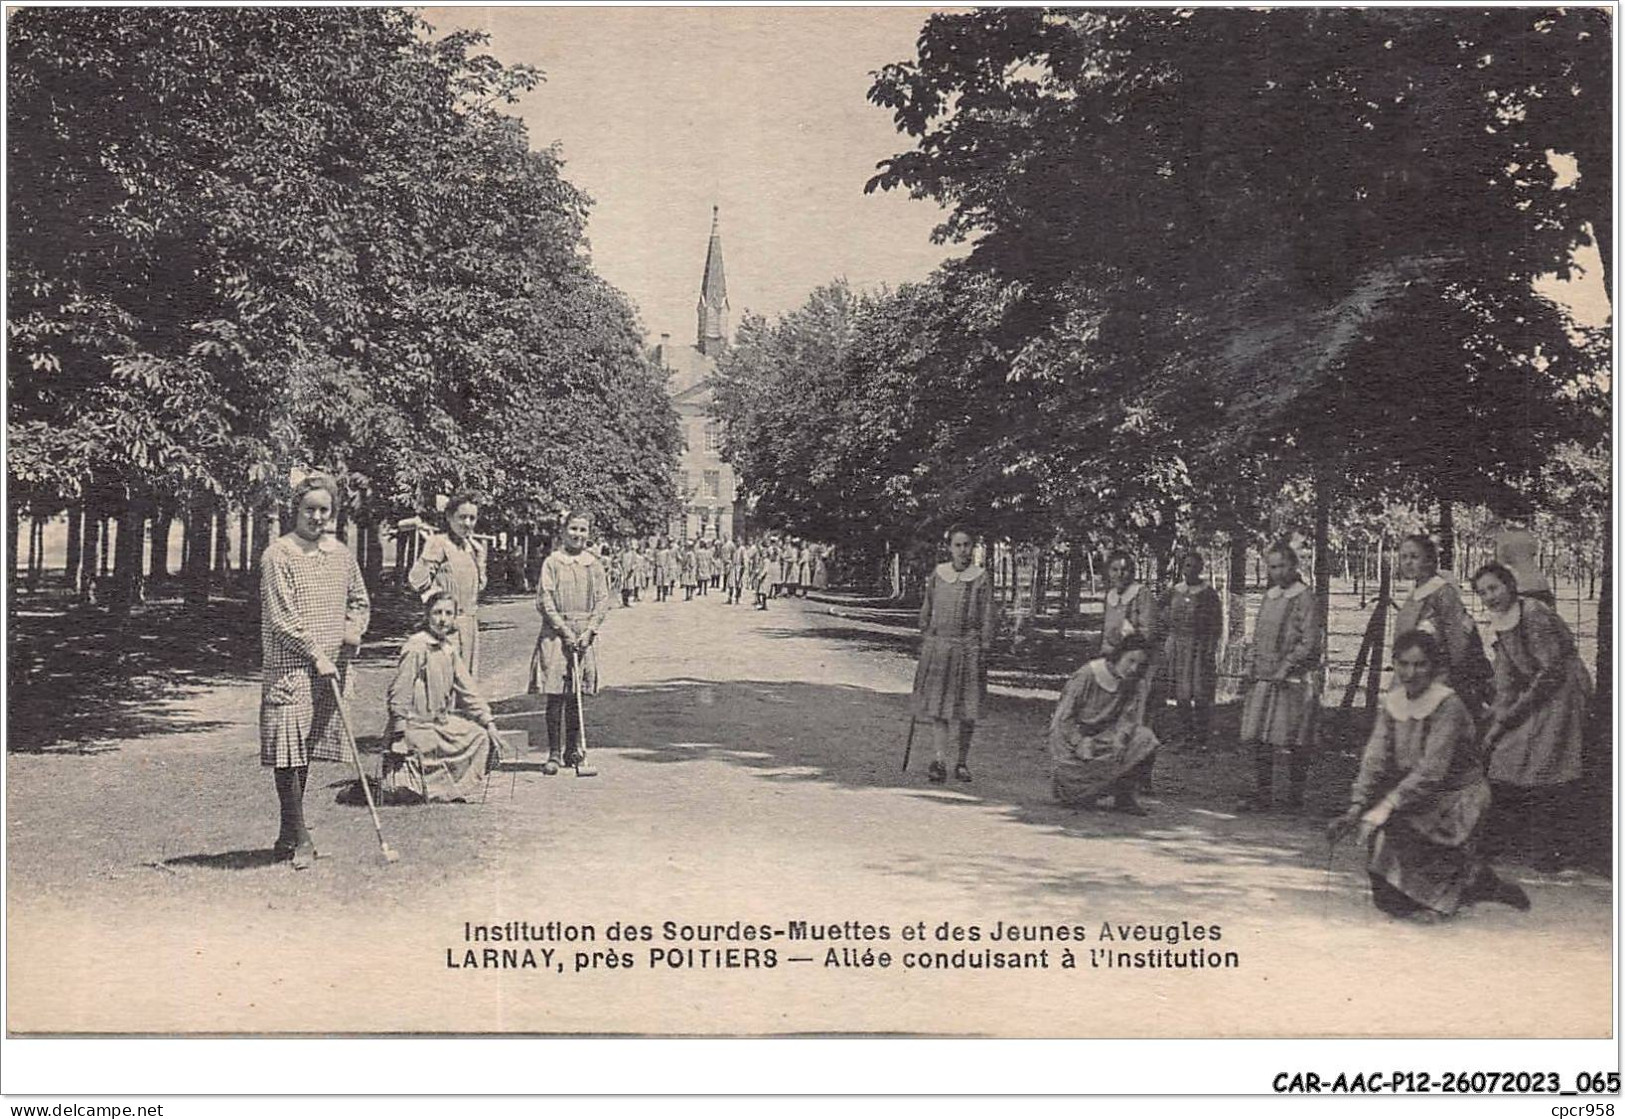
point(706, 485)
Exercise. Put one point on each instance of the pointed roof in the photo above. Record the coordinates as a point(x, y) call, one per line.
point(714, 289)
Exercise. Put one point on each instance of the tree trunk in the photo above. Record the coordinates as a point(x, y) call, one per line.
point(262, 534)
point(374, 567)
point(127, 558)
point(90, 553)
point(163, 516)
point(222, 539)
point(243, 561)
point(199, 549)
point(76, 529)
point(1323, 567)
point(13, 540)
point(1447, 536)
point(33, 551)
point(1236, 584)
point(1373, 682)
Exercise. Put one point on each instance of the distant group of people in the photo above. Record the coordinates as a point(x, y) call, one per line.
point(1462, 749)
point(765, 569)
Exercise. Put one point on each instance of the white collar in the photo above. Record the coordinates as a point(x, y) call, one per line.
point(327, 542)
point(1103, 675)
point(1402, 707)
point(1508, 618)
point(1113, 598)
point(1183, 587)
point(1422, 590)
point(1291, 592)
point(946, 572)
point(583, 558)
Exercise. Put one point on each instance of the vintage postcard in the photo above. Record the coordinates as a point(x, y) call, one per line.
point(769, 521)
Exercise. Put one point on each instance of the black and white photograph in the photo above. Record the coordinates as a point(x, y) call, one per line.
point(769, 522)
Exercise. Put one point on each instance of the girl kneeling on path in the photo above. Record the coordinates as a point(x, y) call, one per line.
point(572, 595)
point(313, 606)
point(1098, 740)
point(956, 619)
point(440, 731)
point(1421, 793)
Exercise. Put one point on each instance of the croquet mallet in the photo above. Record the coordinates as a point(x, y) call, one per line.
point(384, 848)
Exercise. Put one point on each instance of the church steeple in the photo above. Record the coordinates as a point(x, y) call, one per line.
point(713, 305)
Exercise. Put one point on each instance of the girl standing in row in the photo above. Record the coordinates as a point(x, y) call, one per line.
point(957, 624)
point(1281, 697)
point(313, 609)
point(454, 562)
point(572, 596)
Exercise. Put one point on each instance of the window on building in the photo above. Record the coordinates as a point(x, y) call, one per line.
point(683, 484)
point(713, 483)
point(713, 438)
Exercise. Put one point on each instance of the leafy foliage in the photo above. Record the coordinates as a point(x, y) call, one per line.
point(248, 239)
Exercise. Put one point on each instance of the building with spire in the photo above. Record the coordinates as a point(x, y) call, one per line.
point(706, 485)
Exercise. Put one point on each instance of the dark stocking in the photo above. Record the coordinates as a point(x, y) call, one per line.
point(290, 795)
point(555, 725)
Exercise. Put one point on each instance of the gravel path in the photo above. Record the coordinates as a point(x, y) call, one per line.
point(749, 777)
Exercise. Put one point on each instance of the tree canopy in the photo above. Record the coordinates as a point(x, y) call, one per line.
point(244, 240)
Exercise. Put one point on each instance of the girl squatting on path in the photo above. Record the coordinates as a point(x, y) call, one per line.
point(313, 607)
point(1421, 795)
point(957, 624)
point(572, 596)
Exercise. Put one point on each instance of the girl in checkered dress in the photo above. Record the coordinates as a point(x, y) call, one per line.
point(313, 604)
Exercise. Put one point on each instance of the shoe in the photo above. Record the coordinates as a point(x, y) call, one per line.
point(962, 772)
point(304, 856)
point(584, 770)
point(1510, 893)
point(1128, 806)
point(1255, 803)
point(1548, 862)
point(283, 849)
point(937, 774)
point(550, 766)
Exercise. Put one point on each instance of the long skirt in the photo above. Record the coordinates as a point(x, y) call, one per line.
point(468, 642)
point(1190, 669)
point(948, 683)
point(441, 762)
point(1280, 713)
point(553, 667)
point(1430, 854)
point(1085, 766)
point(1544, 749)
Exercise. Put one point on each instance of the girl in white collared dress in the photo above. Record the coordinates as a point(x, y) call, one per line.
point(1434, 607)
point(572, 596)
point(1130, 608)
point(454, 562)
point(1282, 696)
point(1538, 721)
point(957, 625)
